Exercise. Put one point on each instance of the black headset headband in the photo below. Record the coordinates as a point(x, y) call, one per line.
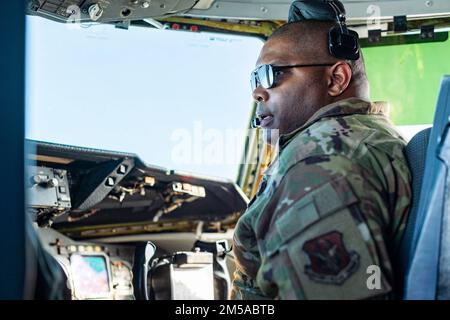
point(315, 10)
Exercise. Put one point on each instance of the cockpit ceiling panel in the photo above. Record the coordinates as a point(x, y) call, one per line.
point(356, 9)
point(129, 10)
point(73, 11)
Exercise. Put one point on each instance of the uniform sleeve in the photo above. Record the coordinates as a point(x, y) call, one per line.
point(247, 262)
point(245, 288)
point(327, 238)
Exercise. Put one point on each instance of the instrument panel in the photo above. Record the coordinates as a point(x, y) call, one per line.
point(100, 271)
point(94, 271)
point(79, 197)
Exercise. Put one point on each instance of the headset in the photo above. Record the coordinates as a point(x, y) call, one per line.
point(342, 42)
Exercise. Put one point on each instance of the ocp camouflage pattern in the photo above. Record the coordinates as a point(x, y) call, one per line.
point(332, 205)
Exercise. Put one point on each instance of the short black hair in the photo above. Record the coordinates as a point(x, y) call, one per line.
point(314, 34)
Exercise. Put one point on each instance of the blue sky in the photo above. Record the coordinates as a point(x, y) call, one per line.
point(140, 90)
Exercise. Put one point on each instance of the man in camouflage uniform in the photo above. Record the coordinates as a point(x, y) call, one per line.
point(335, 201)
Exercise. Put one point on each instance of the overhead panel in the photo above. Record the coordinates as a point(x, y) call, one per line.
point(109, 10)
point(356, 10)
point(129, 10)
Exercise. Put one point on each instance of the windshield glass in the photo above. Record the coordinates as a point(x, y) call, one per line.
point(178, 99)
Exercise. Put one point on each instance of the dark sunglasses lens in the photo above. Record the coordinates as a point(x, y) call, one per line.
point(253, 81)
point(265, 75)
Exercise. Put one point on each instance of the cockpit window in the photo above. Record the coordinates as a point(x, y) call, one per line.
point(177, 99)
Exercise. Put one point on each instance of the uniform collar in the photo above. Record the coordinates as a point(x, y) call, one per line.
point(340, 108)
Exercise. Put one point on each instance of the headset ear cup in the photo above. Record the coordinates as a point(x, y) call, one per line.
point(343, 45)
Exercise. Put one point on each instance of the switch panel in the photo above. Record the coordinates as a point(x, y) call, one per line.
point(47, 187)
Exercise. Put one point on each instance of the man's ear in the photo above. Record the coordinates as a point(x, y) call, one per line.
point(339, 77)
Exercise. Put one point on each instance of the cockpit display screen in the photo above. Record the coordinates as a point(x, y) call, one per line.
point(90, 276)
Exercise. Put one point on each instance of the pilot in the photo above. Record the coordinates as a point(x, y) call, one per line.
point(331, 208)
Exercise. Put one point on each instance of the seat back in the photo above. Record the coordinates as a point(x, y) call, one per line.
point(415, 152)
point(424, 251)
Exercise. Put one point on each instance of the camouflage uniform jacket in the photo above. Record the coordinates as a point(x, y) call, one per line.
point(329, 212)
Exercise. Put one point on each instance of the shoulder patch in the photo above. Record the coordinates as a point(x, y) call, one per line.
point(330, 261)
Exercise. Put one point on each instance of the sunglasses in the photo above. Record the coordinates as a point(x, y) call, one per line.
point(265, 75)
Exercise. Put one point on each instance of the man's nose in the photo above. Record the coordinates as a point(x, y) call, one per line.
point(260, 94)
